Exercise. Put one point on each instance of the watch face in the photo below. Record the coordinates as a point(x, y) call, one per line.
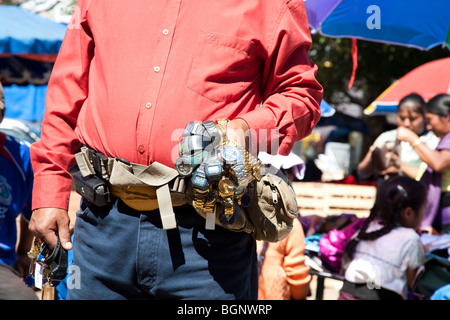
point(231, 155)
point(213, 169)
point(199, 181)
point(226, 187)
point(183, 166)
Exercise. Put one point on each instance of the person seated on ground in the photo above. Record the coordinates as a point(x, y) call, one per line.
point(387, 156)
point(381, 262)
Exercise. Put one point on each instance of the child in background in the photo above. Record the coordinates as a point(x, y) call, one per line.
point(283, 274)
point(381, 262)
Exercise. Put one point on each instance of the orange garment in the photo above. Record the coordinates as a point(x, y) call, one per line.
point(284, 274)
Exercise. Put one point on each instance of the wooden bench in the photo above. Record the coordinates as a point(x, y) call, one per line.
point(324, 199)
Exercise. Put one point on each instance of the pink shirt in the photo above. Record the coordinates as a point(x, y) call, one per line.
point(131, 75)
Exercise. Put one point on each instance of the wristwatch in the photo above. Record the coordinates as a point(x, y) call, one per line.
point(252, 165)
point(193, 144)
point(213, 171)
point(184, 165)
point(231, 155)
point(213, 167)
point(226, 189)
point(222, 128)
point(201, 187)
point(239, 174)
point(210, 201)
point(212, 133)
point(193, 128)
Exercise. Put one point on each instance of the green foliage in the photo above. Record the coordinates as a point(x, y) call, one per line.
point(379, 65)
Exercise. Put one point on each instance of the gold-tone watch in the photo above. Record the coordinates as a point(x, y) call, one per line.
point(222, 127)
point(226, 192)
point(252, 164)
point(210, 201)
point(201, 188)
point(200, 198)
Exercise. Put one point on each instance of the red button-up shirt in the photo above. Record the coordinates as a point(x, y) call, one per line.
point(131, 74)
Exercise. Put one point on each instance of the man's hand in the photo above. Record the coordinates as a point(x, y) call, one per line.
point(46, 222)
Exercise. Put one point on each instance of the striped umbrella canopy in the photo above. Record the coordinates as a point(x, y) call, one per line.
point(428, 80)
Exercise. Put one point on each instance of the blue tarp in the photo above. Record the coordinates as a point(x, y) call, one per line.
point(23, 32)
point(30, 35)
point(25, 102)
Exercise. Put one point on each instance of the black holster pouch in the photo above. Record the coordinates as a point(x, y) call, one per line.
point(56, 259)
point(92, 188)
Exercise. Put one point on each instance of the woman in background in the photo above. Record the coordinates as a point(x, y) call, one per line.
point(410, 115)
point(435, 172)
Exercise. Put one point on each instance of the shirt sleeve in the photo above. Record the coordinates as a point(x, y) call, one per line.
point(415, 255)
point(53, 155)
point(291, 93)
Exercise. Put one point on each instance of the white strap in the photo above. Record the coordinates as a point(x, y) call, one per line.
point(210, 223)
point(165, 207)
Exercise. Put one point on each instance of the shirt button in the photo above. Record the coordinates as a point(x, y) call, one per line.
point(148, 105)
point(141, 149)
point(165, 32)
point(156, 69)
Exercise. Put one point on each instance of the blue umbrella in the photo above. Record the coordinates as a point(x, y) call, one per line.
point(412, 23)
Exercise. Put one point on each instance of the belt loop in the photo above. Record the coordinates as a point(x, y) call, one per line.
point(165, 207)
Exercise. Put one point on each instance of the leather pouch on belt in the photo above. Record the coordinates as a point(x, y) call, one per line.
point(145, 188)
point(141, 198)
point(273, 207)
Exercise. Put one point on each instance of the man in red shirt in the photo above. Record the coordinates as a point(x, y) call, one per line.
point(128, 78)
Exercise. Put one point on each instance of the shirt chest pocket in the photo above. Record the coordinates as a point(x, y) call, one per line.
point(223, 67)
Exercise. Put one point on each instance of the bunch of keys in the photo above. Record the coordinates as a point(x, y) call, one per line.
point(50, 266)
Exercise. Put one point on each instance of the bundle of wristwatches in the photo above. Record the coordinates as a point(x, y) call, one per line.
point(47, 266)
point(220, 170)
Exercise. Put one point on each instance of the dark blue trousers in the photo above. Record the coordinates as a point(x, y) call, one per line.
point(120, 253)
